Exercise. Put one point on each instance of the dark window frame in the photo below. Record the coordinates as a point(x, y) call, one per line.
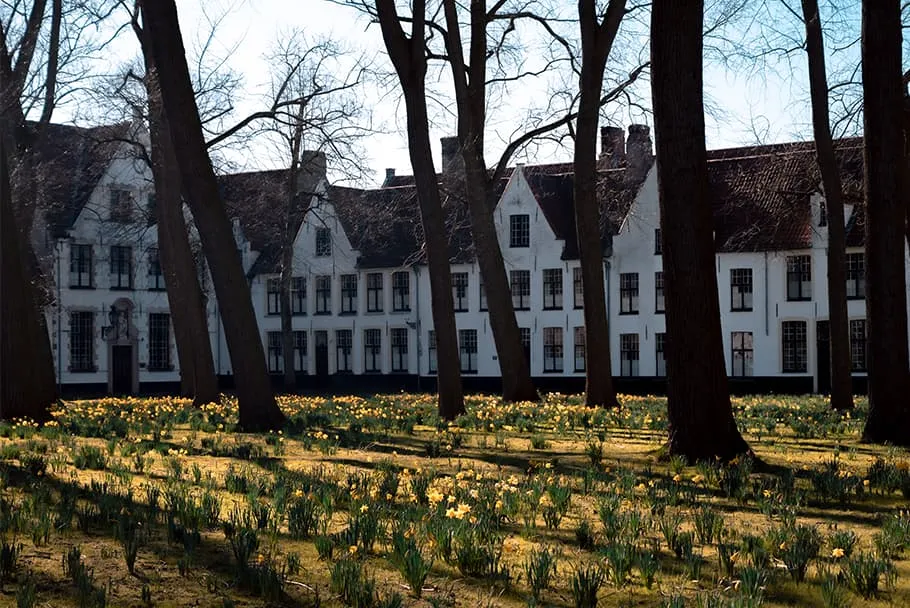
point(578, 289)
point(398, 348)
point(520, 289)
point(348, 294)
point(628, 293)
point(553, 350)
point(794, 352)
point(273, 296)
point(799, 275)
point(460, 283)
point(155, 276)
point(323, 242)
point(855, 266)
point(432, 362)
point(519, 231)
point(121, 265)
point(660, 354)
point(552, 289)
point(375, 292)
point(121, 205)
point(372, 351)
point(741, 290)
point(629, 365)
point(298, 295)
point(859, 349)
point(401, 292)
point(82, 342)
point(658, 243)
point(323, 294)
point(660, 299)
point(580, 348)
point(746, 354)
point(467, 350)
point(344, 351)
point(82, 266)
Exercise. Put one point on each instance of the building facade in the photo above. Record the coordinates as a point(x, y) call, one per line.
point(360, 296)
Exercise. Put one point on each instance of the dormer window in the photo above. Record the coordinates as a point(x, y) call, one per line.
point(822, 214)
point(323, 242)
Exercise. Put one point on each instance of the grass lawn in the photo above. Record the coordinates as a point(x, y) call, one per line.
point(373, 502)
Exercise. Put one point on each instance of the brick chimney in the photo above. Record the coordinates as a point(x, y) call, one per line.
point(389, 176)
point(313, 164)
point(612, 147)
point(639, 153)
point(451, 154)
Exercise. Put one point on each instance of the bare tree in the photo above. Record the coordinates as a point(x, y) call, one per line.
point(886, 214)
point(838, 323)
point(408, 55)
point(258, 409)
point(698, 404)
point(597, 36)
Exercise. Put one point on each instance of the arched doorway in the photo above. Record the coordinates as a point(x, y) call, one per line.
point(122, 349)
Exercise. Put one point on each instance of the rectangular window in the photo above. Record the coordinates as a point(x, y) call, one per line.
point(121, 267)
point(794, 339)
point(159, 342)
point(552, 349)
point(856, 276)
point(460, 291)
point(579, 349)
point(743, 353)
point(343, 344)
point(324, 295)
point(81, 266)
point(628, 354)
point(401, 292)
point(273, 295)
point(658, 244)
point(372, 351)
point(483, 295)
point(799, 278)
point(374, 292)
point(82, 341)
point(628, 293)
point(399, 340)
point(740, 289)
point(323, 242)
point(156, 278)
point(467, 350)
point(659, 302)
point(660, 352)
point(519, 231)
point(520, 285)
point(431, 351)
point(578, 291)
point(348, 294)
point(552, 288)
point(275, 352)
point(858, 341)
point(121, 205)
point(300, 351)
point(298, 295)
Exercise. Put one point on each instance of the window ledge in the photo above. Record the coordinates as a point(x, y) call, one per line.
point(348, 313)
point(401, 310)
point(552, 308)
point(122, 289)
point(82, 287)
point(630, 313)
point(467, 371)
point(322, 314)
point(799, 299)
point(742, 310)
point(552, 371)
point(375, 312)
point(159, 289)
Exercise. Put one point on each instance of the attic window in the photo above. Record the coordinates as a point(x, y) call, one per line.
point(519, 231)
point(121, 205)
point(323, 242)
point(822, 214)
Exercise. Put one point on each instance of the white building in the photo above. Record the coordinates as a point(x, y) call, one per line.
point(361, 302)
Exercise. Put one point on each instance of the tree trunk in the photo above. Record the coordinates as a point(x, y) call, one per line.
point(701, 424)
point(470, 97)
point(596, 42)
point(184, 294)
point(27, 384)
point(886, 212)
point(407, 55)
point(258, 410)
point(841, 381)
point(287, 255)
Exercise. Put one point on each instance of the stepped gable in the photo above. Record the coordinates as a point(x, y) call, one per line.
point(69, 163)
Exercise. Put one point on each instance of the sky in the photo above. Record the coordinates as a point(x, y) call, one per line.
point(743, 107)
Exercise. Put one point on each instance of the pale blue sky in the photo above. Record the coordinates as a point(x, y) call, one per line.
point(744, 108)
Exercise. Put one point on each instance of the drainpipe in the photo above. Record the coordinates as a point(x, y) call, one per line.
point(59, 321)
point(767, 326)
point(417, 320)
